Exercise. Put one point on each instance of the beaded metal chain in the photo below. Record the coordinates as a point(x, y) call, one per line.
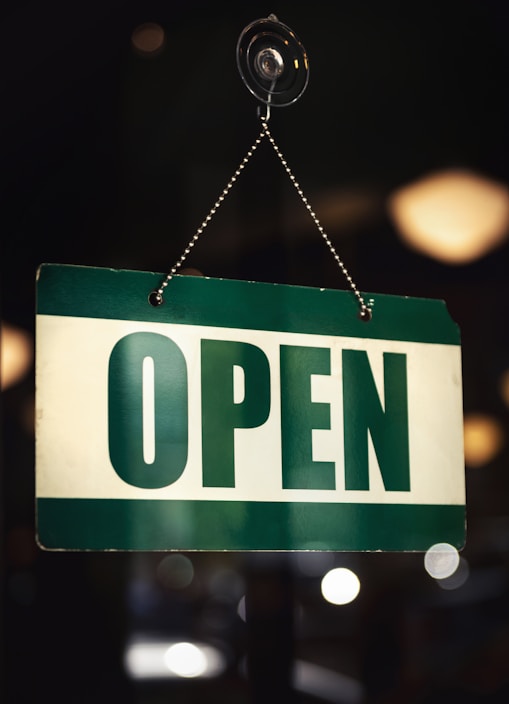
point(156, 297)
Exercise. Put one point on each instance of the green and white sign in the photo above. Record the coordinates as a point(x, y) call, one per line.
point(243, 416)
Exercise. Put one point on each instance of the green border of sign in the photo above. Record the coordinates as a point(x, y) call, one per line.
point(152, 525)
point(90, 292)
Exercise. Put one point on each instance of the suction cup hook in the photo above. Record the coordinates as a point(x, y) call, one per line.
point(274, 66)
point(272, 63)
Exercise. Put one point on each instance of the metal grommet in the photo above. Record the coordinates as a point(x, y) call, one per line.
point(365, 314)
point(155, 298)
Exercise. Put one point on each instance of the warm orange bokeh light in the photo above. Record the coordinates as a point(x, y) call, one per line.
point(148, 38)
point(483, 437)
point(16, 354)
point(454, 216)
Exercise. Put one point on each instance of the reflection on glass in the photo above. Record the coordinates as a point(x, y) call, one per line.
point(340, 586)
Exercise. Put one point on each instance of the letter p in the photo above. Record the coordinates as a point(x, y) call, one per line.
point(221, 413)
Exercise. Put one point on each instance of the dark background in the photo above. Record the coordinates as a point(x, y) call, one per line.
point(113, 158)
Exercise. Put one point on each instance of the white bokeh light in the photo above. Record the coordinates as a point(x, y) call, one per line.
point(186, 660)
point(340, 586)
point(457, 579)
point(441, 560)
point(146, 659)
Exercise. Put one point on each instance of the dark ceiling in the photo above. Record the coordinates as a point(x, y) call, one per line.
point(112, 158)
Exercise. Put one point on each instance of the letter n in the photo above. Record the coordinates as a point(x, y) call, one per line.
point(387, 425)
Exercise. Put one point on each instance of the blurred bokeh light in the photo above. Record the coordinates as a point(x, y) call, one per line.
point(455, 216)
point(458, 578)
point(148, 39)
point(16, 352)
point(147, 658)
point(441, 560)
point(340, 586)
point(483, 438)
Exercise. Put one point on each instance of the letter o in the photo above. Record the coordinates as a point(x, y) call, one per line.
point(125, 410)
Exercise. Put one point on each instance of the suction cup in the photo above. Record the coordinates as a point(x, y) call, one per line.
point(272, 62)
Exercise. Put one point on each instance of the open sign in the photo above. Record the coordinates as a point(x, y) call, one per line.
point(277, 420)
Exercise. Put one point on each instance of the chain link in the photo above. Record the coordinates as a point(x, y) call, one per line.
point(156, 297)
point(365, 310)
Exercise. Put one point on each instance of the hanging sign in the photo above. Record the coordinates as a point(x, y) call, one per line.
point(243, 416)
